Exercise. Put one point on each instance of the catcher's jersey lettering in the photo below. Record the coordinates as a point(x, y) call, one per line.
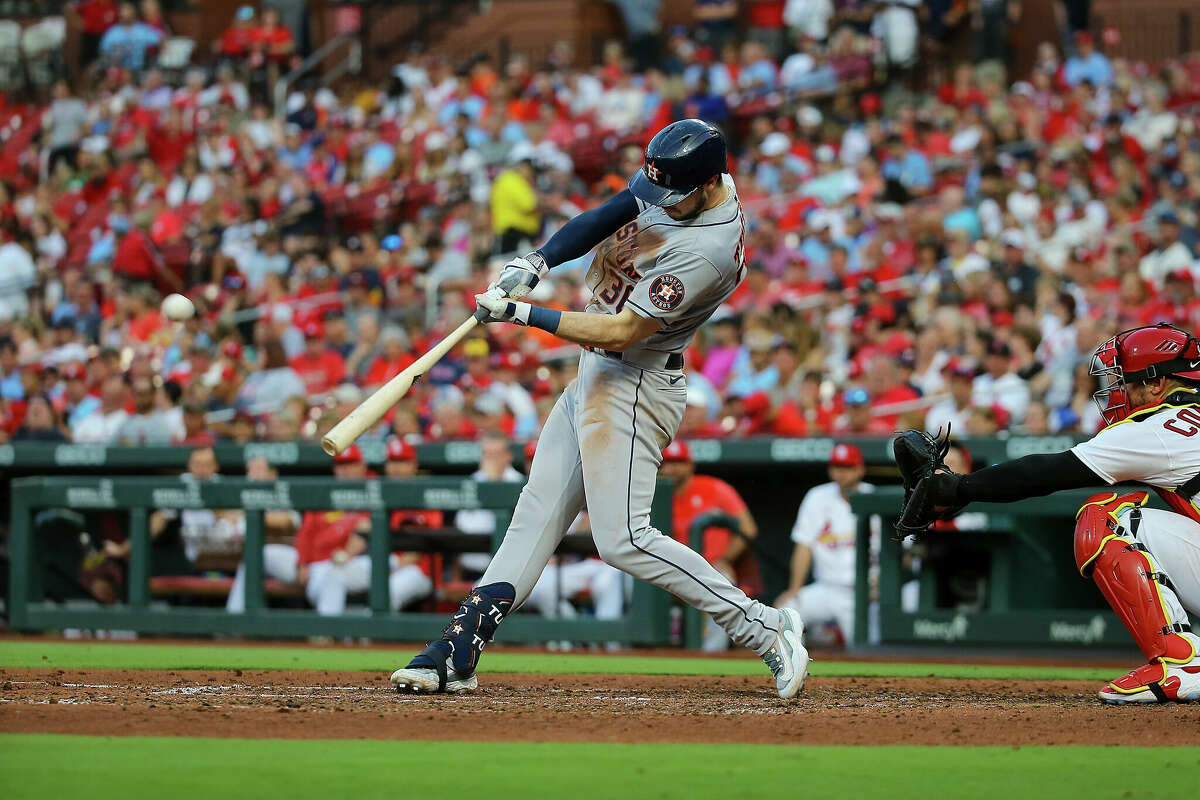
point(1156, 446)
point(1186, 422)
point(678, 272)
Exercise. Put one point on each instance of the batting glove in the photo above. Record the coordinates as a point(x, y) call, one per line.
point(520, 275)
point(501, 309)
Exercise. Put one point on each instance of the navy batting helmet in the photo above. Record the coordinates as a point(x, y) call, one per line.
point(679, 158)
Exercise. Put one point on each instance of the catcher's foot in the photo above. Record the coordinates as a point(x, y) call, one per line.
point(788, 658)
point(1156, 682)
point(432, 673)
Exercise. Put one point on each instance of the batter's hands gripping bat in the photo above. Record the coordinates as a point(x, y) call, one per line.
point(371, 410)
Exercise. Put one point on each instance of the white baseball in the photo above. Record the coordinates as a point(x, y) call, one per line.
point(177, 307)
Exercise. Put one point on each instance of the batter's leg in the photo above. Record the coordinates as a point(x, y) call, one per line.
point(549, 503)
point(629, 415)
point(551, 499)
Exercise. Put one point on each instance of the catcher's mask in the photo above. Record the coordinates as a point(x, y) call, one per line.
point(1137, 356)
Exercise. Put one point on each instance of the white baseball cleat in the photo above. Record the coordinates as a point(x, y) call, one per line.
point(788, 658)
point(417, 678)
point(1155, 682)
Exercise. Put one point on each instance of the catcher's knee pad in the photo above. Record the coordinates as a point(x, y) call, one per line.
point(474, 624)
point(1127, 576)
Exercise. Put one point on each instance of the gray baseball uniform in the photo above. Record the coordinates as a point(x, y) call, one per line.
point(602, 443)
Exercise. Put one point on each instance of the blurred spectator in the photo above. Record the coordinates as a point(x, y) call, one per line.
point(990, 21)
point(1087, 63)
point(999, 385)
point(275, 383)
point(1169, 253)
point(148, 424)
point(65, 123)
point(515, 216)
point(952, 411)
point(716, 20)
point(319, 366)
point(95, 17)
point(858, 420)
point(195, 426)
point(17, 274)
point(102, 425)
point(239, 38)
point(41, 422)
point(126, 43)
point(825, 533)
point(808, 19)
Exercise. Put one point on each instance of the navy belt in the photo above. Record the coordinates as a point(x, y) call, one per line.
point(672, 360)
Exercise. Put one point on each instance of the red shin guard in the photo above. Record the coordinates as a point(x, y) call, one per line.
point(1127, 577)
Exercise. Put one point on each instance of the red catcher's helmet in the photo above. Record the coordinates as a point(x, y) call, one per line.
point(1137, 356)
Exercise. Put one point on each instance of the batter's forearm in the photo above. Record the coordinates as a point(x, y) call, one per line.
point(605, 331)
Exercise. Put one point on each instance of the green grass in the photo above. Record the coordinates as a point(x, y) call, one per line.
point(41, 766)
point(140, 655)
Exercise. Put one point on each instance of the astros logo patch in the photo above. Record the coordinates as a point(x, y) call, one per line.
point(652, 172)
point(666, 292)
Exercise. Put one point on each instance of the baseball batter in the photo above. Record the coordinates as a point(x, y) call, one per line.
point(1146, 562)
point(670, 250)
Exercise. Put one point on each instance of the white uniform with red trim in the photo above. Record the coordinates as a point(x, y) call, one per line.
point(828, 526)
point(1160, 447)
point(602, 443)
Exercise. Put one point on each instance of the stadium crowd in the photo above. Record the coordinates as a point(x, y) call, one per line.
point(915, 255)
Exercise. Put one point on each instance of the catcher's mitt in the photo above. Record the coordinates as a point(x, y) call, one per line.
point(929, 485)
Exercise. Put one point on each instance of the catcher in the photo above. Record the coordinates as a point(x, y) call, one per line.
point(1149, 397)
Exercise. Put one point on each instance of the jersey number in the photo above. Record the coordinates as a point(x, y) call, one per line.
point(616, 294)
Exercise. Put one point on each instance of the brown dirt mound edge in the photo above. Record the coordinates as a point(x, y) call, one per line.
point(599, 708)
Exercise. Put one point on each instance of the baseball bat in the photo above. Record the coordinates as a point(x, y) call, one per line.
point(371, 410)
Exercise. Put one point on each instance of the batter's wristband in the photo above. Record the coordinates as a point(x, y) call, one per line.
point(545, 318)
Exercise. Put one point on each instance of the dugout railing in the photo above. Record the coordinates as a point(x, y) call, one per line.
point(1033, 596)
point(647, 610)
point(40, 458)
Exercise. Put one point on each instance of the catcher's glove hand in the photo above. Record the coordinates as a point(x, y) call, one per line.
point(930, 487)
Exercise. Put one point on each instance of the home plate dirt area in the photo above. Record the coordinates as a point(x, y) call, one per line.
point(603, 708)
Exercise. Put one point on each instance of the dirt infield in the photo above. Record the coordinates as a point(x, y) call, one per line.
point(606, 708)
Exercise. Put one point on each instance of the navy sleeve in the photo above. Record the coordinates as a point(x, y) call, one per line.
point(589, 229)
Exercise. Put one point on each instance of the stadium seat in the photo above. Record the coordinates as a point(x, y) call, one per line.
point(176, 55)
point(42, 44)
point(10, 54)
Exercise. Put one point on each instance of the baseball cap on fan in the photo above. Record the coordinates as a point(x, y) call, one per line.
point(677, 451)
point(400, 450)
point(845, 455)
point(351, 455)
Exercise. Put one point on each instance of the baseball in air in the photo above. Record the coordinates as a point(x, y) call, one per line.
point(177, 307)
